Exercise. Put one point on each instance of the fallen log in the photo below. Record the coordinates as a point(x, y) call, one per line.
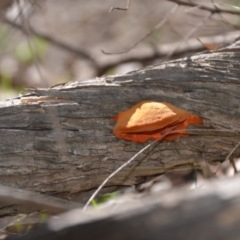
point(60, 140)
point(13, 201)
point(210, 214)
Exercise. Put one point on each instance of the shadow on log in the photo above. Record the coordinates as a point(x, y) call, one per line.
point(60, 140)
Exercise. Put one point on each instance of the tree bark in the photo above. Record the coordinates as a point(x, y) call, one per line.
point(60, 140)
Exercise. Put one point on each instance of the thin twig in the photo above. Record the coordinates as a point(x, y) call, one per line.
point(119, 169)
point(159, 25)
point(190, 33)
point(172, 131)
point(119, 8)
point(227, 22)
point(77, 51)
point(231, 160)
point(25, 23)
point(145, 55)
point(203, 7)
point(9, 30)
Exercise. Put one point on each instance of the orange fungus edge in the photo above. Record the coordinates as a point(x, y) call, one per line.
point(151, 120)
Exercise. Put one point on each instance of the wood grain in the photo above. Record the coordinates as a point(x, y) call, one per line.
point(60, 140)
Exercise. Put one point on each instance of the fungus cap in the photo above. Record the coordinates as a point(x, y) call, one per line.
point(151, 120)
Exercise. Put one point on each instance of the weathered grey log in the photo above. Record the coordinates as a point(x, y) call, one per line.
point(210, 214)
point(60, 140)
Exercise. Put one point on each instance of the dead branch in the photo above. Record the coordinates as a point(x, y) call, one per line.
point(205, 84)
point(209, 214)
point(120, 8)
point(145, 55)
point(158, 26)
point(81, 53)
point(213, 10)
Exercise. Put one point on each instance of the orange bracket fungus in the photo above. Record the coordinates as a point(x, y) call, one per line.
point(151, 120)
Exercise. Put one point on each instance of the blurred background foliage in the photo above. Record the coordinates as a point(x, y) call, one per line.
point(29, 59)
point(26, 52)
